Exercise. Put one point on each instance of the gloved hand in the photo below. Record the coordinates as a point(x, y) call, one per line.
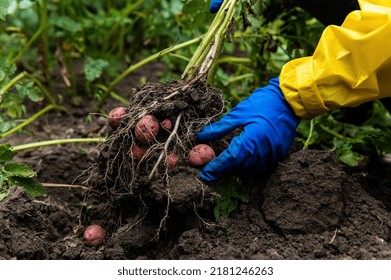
point(215, 5)
point(269, 131)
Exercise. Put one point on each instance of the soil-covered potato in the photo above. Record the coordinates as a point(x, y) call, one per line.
point(94, 235)
point(200, 155)
point(115, 116)
point(172, 160)
point(167, 124)
point(146, 129)
point(137, 151)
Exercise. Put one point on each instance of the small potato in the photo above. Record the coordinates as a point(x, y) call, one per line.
point(115, 116)
point(172, 160)
point(200, 155)
point(146, 129)
point(94, 235)
point(167, 124)
point(137, 152)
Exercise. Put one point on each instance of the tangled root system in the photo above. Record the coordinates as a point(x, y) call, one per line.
point(151, 182)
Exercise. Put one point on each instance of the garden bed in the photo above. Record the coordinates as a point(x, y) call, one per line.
point(310, 207)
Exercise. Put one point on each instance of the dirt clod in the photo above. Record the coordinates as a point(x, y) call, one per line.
point(307, 201)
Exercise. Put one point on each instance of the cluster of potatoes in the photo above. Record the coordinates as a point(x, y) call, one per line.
point(146, 131)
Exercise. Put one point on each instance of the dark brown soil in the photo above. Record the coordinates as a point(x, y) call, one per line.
point(310, 207)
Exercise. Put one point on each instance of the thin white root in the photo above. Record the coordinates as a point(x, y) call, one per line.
point(163, 220)
point(164, 152)
point(334, 235)
point(53, 185)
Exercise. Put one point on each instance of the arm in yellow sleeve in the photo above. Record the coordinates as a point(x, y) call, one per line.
point(351, 64)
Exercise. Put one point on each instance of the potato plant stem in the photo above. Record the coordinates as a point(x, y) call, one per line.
point(208, 50)
point(43, 89)
point(307, 141)
point(335, 134)
point(35, 145)
point(208, 39)
point(10, 84)
point(181, 57)
point(233, 59)
point(113, 94)
point(27, 45)
point(240, 77)
point(20, 77)
point(124, 14)
point(31, 119)
point(45, 37)
point(13, 82)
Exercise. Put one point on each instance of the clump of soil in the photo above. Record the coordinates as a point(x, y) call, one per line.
point(283, 206)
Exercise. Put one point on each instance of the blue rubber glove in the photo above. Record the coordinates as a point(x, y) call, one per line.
point(269, 131)
point(215, 5)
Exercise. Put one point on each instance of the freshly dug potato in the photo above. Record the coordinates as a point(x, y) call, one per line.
point(200, 155)
point(167, 124)
point(115, 116)
point(172, 160)
point(146, 129)
point(94, 235)
point(137, 152)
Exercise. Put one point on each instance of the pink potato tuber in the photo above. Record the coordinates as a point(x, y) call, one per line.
point(172, 160)
point(146, 129)
point(137, 151)
point(115, 116)
point(167, 124)
point(200, 155)
point(94, 235)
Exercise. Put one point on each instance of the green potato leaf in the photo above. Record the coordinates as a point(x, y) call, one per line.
point(4, 4)
point(4, 194)
point(93, 68)
point(6, 153)
point(19, 169)
point(30, 185)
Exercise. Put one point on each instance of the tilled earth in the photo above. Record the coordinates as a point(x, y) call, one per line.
point(310, 207)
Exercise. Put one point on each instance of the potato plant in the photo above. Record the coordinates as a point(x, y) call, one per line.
point(155, 140)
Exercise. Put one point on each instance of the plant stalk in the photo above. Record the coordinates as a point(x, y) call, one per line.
point(335, 134)
point(31, 119)
point(113, 94)
point(125, 13)
point(20, 77)
point(35, 145)
point(207, 52)
point(307, 141)
point(13, 82)
point(45, 38)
